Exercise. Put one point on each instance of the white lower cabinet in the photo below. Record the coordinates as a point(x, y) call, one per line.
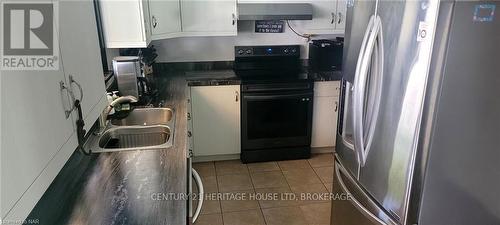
point(325, 112)
point(216, 120)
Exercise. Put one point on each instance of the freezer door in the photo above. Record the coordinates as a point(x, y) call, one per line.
point(351, 205)
point(386, 170)
point(359, 14)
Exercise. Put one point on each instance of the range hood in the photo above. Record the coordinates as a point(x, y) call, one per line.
point(275, 11)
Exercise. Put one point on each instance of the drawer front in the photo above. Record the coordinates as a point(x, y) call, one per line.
point(327, 88)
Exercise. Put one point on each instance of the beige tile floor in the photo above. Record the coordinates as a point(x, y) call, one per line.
point(301, 177)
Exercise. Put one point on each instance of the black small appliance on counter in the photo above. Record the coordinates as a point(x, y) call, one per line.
point(326, 55)
point(276, 103)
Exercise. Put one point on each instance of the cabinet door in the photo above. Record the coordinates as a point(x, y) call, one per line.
point(165, 18)
point(325, 20)
point(146, 17)
point(216, 120)
point(324, 13)
point(324, 121)
point(34, 129)
point(123, 23)
point(79, 45)
point(341, 15)
point(190, 133)
point(209, 17)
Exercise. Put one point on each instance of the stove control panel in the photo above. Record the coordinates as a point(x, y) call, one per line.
point(271, 50)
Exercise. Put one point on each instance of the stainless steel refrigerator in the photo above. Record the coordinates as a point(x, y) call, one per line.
point(419, 136)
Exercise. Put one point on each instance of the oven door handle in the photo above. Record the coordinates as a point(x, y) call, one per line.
point(301, 96)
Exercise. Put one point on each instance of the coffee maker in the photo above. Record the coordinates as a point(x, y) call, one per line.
point(131, 77)
point(326, 55)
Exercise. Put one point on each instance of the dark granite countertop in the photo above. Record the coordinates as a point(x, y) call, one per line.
point(326, 76)
point(128, 187)
point(228, 77)
point(212, 78)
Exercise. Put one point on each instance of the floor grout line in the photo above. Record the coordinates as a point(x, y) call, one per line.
point(254, 189)
point(258, 202)
point(218, 191)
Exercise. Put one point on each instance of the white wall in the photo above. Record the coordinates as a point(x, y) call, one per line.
point(192, 49)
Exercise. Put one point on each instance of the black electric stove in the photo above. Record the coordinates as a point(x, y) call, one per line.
point(276, 103)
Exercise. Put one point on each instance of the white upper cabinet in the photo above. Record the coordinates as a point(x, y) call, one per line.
point(82, 58)
point(209, 17)
point(324, 18)
point(328, 16)
point(341, 15)
point(125, 23)
point(165, 18)
point(41, 137)
point(134, 23)
point(35, 128)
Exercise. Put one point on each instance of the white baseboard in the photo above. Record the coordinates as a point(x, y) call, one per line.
point(209, 158)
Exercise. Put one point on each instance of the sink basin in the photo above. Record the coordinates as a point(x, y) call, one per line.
point(145, 117)
point(143, 128)
point(136, 137)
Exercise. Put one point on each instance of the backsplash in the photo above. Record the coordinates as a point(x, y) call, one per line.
point(202, 49)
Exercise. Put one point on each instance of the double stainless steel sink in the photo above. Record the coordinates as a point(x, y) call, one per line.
point(143, 128)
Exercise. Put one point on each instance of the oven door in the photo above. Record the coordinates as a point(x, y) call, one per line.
point(276, 119)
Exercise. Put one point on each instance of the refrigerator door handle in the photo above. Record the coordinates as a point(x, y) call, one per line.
point(377, 52)
point(339, 170)
point(355, 88)
point(364, 138)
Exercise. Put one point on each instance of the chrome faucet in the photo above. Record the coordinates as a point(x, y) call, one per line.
point(103, 119)
point(119, 100)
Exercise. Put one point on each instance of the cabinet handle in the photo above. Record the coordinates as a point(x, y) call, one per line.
point(62, 89)
point(155, 21)
point(234, 19)
point(190, 134)
point(336, 106)
point(189, 116)
point(73, 81)
point(340, 19)
point(333, 18)
point(237, 96)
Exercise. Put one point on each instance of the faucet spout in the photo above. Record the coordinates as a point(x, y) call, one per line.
point(119, 100)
